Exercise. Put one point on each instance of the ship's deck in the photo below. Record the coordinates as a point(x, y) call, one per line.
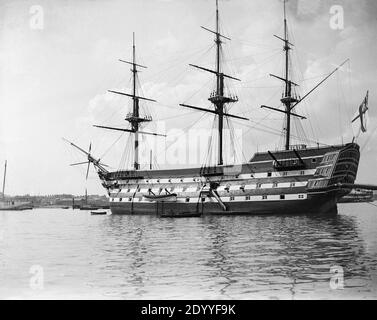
point(260, 162)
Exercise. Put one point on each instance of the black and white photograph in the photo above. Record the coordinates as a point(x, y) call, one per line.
point(207, 150)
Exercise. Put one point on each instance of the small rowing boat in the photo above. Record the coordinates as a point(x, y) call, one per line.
point(98, 212)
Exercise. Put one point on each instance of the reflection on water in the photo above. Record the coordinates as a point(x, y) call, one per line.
point(140, 257)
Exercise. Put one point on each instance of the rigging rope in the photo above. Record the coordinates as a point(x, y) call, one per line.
point(273, 131)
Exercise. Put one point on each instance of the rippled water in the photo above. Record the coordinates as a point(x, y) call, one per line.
point(144, 257)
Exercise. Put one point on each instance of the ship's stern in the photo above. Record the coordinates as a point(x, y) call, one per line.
point(336, 169)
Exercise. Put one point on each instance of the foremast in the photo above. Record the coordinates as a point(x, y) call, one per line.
point(134, 118)
point(218, 98)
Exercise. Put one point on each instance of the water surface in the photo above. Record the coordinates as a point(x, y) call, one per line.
point(144, 257)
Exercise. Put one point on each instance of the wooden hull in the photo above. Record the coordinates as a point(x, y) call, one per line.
point(301, 182)
point(162, 198)
point(316, 204)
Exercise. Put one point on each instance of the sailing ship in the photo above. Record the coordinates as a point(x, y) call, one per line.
point(297, 179)
point(10, 204)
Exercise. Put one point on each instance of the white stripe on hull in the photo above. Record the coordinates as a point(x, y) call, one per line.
point(243, 176)
point(299, 196)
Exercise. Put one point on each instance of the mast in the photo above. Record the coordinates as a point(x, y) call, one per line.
point(5, 174)
point(217, 98)
point(150, 160)
point(287, 83)
point(288, 100)
point(133, 120)
point(134, 117)
point(219, 87)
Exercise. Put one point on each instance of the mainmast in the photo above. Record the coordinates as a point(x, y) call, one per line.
point(219, 88)
point(134, 117)
point(217, 98)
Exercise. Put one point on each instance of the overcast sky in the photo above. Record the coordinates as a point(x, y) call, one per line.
point(54, 75)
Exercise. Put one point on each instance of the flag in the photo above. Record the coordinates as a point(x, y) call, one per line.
point(362, 115)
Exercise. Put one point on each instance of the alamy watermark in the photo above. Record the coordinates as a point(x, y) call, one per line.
point(191, 147)
point(337, 278)
point(337, 17)
point(311, 8)
point(36, 21)
point(36, 282)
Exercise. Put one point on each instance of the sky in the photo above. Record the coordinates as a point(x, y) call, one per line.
point(58, 58)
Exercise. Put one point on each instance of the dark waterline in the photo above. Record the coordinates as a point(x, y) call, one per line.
point(144, 257)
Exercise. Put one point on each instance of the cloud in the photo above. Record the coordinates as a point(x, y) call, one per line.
point(54, 82)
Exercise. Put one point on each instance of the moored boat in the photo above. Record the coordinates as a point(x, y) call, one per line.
point(15, 205)
point(98, 212)
point(10, 204)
